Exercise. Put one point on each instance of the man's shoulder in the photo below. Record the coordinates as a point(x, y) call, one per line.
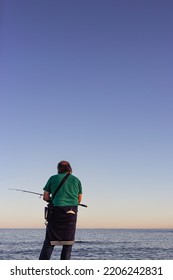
point(54, 177)
point(73, 177)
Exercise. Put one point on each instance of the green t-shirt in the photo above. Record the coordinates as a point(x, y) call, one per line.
point(69, 191)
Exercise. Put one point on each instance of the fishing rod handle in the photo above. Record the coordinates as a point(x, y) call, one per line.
point(83, 205)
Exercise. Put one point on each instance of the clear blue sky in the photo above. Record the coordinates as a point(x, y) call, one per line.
point(88, 81)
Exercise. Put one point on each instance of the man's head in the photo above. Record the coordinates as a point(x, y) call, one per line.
point(64, 166)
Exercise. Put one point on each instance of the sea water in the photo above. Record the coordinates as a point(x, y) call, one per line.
point(92, 244)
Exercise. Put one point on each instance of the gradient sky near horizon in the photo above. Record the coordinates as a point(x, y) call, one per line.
point(91, 82)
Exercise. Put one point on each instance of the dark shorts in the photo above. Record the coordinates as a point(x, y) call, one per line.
point(62, 225)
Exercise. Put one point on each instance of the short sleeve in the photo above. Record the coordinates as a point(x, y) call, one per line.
point(47, 186)
point(80, 187)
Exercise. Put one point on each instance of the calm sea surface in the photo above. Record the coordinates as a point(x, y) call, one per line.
point(91, 244)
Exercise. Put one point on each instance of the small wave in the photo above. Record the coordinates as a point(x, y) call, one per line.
point(86, 242)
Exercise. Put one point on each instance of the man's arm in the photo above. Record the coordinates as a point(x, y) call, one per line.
point(46, 196)
point(79, 198)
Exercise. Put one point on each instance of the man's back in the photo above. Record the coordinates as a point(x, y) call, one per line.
point(68, 193)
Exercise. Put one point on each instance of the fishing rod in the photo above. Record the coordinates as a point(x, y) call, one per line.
point(40, 194)
point(20, 190)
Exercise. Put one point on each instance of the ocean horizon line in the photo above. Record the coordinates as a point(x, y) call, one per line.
point(88, 228)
